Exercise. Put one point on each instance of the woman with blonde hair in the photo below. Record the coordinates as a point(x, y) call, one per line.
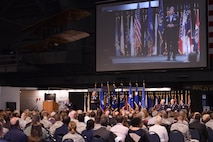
point(72, 134)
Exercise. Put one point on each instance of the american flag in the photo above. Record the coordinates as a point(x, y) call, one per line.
point(150, 34)
point(137, 30)
point(210, 32)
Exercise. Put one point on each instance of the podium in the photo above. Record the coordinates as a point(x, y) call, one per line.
point(50, 106)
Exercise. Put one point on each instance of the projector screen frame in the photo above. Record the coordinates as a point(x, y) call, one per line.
point(104, 63)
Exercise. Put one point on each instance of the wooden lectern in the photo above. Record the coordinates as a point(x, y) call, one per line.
point(50, 106)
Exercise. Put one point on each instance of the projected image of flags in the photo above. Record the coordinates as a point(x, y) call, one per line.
point(114, 98)
point(130, 97)
point(188, 27)
point(197, 32)
point(122, 48)
point(137, 31)
point(117, 46)
point(131, 36)
point(150, 34)
point(127, 35)
point(182, 34)
point(102, 98)
point(136, 94)
point(160, 26)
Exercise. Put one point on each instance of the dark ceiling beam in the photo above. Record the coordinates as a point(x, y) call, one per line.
point(42, 8)
point(6, 7)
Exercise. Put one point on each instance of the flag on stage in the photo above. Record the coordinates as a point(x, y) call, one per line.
point(197, 32)
point(102, 98)
point(122, 37)
point(108, 96)
point(160, 27)
point(130, 97)
point(137, 31)
point(117, 46)
point(143, 98)
point(122, 97)
point(136, 94)
point(150, 35)
point(114, 98)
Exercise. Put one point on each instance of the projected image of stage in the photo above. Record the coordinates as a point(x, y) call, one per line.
point(149, 59)
point(155, 34)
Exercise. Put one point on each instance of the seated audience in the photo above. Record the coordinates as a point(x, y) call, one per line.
point(45, 120)
point(35, 119)
point(103, 132)
point(36, 133)
point(119, 129)
point(15, 134)
point(58, 123)
point(3, 130)
point(88, 133)
point(160, 130)
point(196, 124)
point(210, 122)
point(136, 132)
point(72, 134)
point(80, 124)
point(180, 126)
point(64, 128)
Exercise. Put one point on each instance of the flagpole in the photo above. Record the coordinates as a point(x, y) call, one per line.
point(143, 101)
point(102, 98)
point(108, 96)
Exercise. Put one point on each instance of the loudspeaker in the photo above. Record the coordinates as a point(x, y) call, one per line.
point(11, 105)
point(77, 99)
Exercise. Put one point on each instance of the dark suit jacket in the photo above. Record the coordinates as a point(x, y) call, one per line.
point(15, 135)
point(201, 128)
point(61, 130)
point(174, 30)
point(104, 133)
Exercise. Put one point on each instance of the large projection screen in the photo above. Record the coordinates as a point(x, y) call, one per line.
point(146, 35)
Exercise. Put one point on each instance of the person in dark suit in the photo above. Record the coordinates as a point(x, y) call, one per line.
point(182, 106)
point(171, 33)
point(15, 134)
point(162, 105)
point(172, 106)
point(88, 133)
point(61, 131)
point(68, 105)
point(196, 124)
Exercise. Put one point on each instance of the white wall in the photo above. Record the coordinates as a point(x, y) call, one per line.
point(9, 94)
point(34, 98)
